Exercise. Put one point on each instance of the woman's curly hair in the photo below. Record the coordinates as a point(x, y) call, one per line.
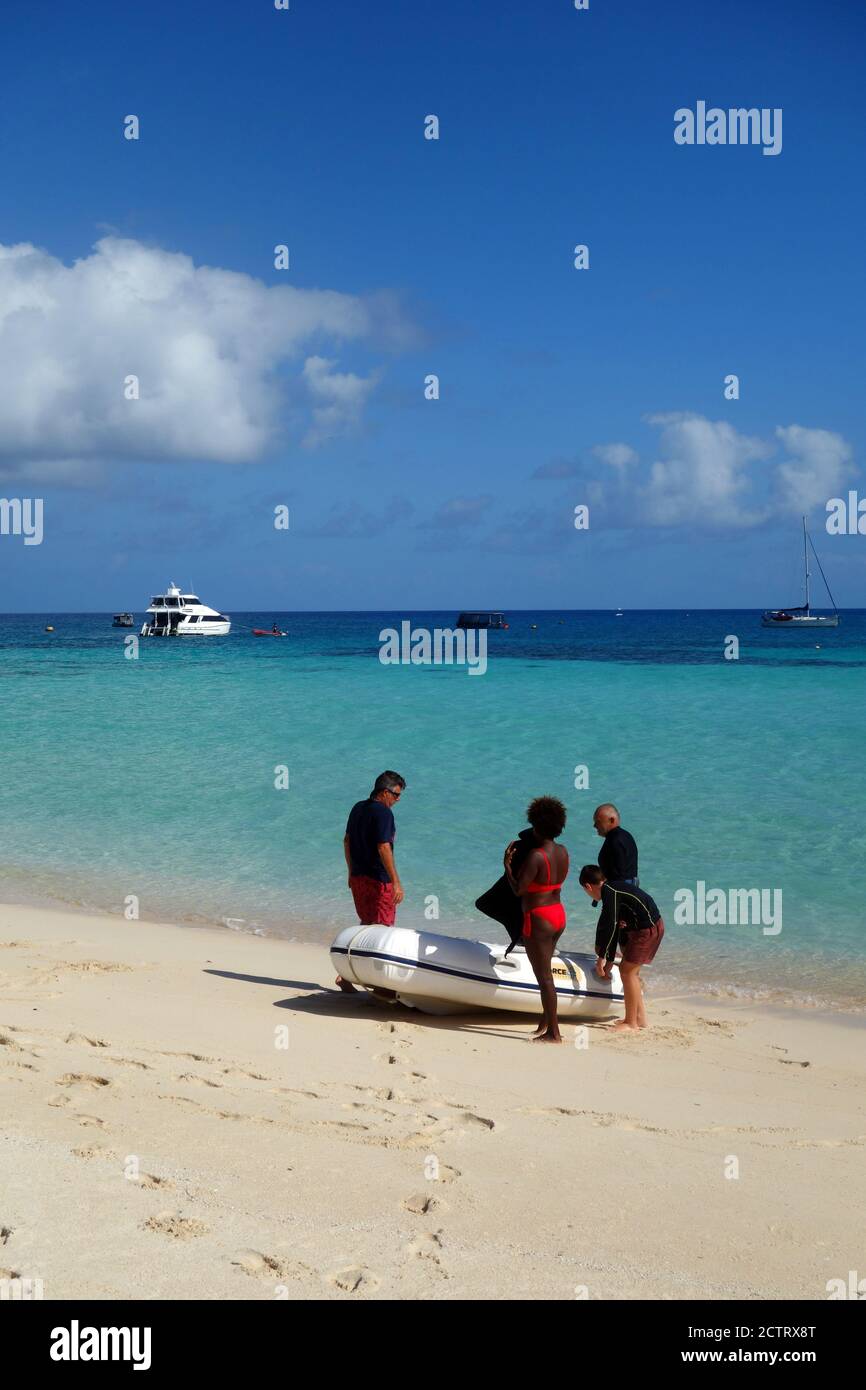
point(547, 816)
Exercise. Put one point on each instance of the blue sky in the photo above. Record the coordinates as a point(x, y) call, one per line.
point(409, 257)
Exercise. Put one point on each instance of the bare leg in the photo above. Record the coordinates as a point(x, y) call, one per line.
point(532, 952)
point(630, 976)
point(540, 947)
point(641, 1008)
point(345, 986)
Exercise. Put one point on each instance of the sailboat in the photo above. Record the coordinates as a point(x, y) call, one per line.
point(795, 618)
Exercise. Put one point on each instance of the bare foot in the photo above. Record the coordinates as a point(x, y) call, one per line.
point(623, 1027)
point(542, 1028)
point(546, 1037)
point(345, 986)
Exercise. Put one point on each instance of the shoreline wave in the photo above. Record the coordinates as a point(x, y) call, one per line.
point(313, 931)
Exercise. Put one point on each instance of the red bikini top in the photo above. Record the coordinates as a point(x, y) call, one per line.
point(547, 887)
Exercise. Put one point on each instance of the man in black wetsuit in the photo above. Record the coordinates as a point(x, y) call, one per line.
point(618, 855)
point(629, 921)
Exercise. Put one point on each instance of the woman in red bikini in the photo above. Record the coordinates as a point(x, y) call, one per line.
point(538, 883)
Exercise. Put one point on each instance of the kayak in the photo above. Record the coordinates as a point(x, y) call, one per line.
point(266, 632)
point(446, 974)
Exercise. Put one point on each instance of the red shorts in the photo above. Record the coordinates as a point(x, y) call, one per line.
point(374, 901)
point(638, 947)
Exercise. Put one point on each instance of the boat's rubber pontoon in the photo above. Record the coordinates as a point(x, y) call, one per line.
point(446, 974)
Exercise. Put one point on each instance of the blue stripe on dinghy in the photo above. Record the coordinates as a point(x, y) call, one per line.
point(466, 975)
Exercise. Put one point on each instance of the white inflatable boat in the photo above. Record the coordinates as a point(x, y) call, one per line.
point(445, 974)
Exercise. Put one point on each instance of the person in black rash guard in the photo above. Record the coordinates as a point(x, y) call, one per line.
point(629, 919)
point(618, 855)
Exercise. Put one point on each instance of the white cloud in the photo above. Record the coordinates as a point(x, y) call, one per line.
point(205, 343)
point(341, 396)
point(820, 463)
point(706, 474)
point(615, 455)
point(703, 474)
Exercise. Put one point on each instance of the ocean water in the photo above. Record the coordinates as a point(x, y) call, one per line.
point(155, 777)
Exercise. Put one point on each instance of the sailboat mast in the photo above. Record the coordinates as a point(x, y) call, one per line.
point(806, 563)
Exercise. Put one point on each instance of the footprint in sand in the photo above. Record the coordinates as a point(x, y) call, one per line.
point(93, 1151)
point(92, 967)
point(261, 1266)
point(83, 1078)
point(246, 1075)
point(421, 1203)
point(789, 1062)
point(83, 1038)
point(194, 1080)
point(5, 1233)
point(129, 1062)
point(355, 1279)
point(339, 1124)
point(427, 1246)
point(447, 1127)
point(175, 1226)
point(152, 1181)
point(91, 1122)
point(446, 1174)
point(13, 1045)
point(188, 1056)
point(379, 1093)
point(368, 1109)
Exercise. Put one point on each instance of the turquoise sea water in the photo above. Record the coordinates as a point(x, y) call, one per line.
point(155, 777)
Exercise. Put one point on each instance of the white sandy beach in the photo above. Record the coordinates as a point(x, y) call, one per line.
point(303, 1172)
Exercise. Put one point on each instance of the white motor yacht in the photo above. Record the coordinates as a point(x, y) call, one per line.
point(174, 614)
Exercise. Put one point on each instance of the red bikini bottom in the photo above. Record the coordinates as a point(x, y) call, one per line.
point(553, 914)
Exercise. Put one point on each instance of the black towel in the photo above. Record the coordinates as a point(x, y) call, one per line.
point(500, 902)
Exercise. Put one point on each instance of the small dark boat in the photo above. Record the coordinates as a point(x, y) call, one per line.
point(267, 632)
point(483, 620)
point(123, 620)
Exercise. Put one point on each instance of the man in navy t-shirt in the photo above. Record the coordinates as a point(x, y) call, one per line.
point(368, 845)
point(618, 855)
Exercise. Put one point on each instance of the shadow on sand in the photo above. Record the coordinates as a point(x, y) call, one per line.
point(334, 1003)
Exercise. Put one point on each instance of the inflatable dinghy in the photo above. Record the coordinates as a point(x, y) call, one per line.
point(446, 974)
